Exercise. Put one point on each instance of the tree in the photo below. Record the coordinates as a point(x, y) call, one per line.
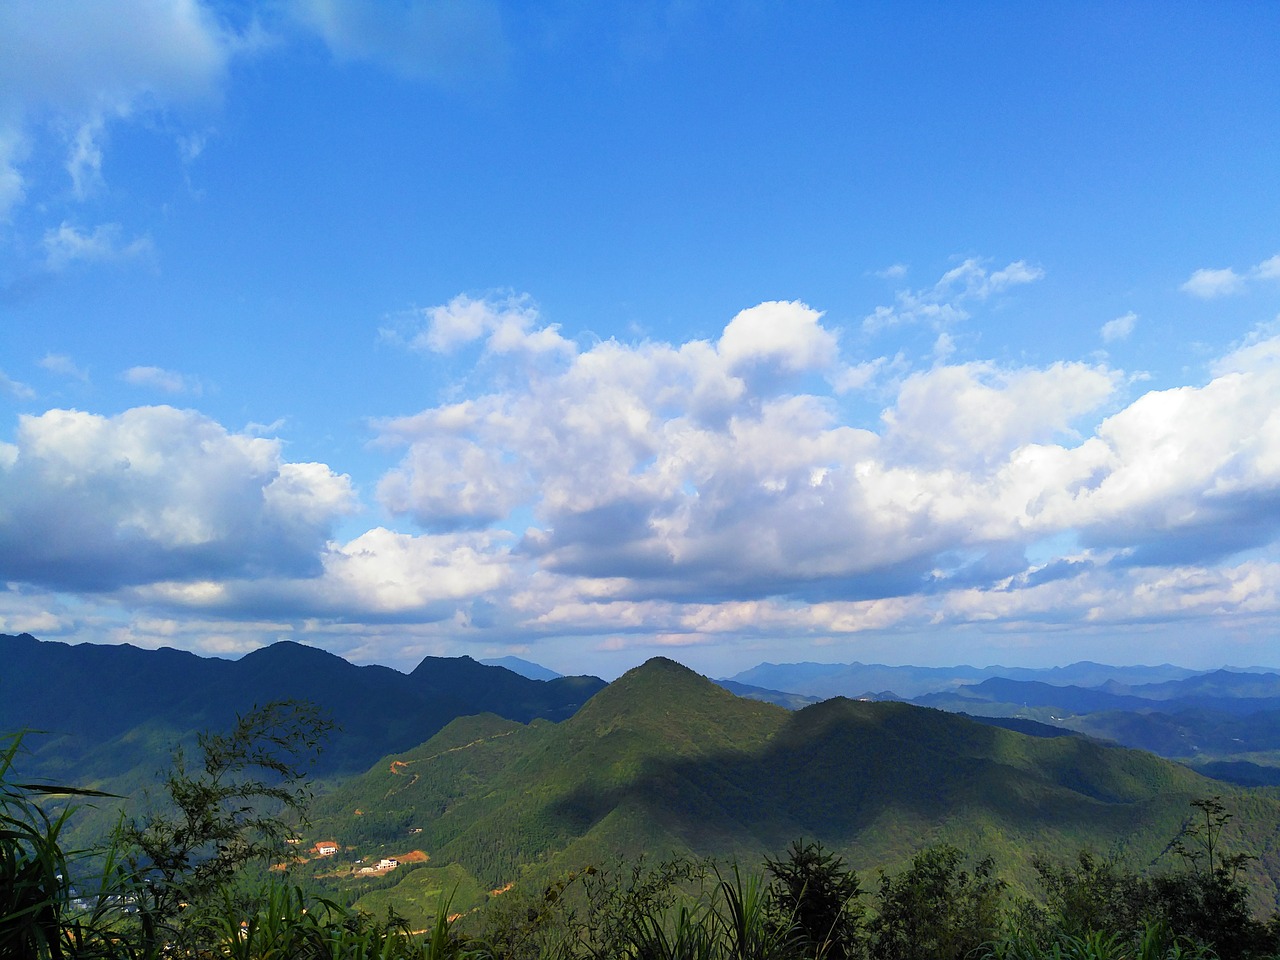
point(1206, 901)
point(233, 808)
point(821, 897)
point(935, 910)
point(1095, 895)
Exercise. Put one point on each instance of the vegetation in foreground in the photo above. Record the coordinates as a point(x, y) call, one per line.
point(186, 878)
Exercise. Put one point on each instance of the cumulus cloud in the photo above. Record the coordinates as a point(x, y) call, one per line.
point(155, 493)
point(69, 244)
point(380, 576)
point(783, 335)
point(958, 416)
point(670, 474)
point(684, 493)
point(943, 303)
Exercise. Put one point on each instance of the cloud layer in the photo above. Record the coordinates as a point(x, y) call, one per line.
point(678, 493)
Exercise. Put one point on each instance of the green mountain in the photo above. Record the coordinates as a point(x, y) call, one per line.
point(664, 760)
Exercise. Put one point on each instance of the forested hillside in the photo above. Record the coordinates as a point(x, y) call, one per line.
point(664, 760)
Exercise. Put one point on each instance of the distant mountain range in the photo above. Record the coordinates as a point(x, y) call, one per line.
point(1224, 723)
point(823, 680)
point(108, 710)
point(664, 760)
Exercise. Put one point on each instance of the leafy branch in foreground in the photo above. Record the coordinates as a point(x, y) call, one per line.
point(230, 810)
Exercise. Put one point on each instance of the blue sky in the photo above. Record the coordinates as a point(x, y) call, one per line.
point(733, 332)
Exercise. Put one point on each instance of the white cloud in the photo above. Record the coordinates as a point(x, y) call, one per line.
point(84, 163)
point(507, 325)
point(942, 304)
point(89, 64)
point(96, 502)
point(667, 492)
point(961, 415)
point(784, 335)
point(69, 244)
point(157, 378)
point(442, 40)
point(1119, 328)
point(660, 473)
point(1267, 270)
point(1208, 284)
point(13, 151)
point(380, 574)
point(386, 572)
point(64, 366)
point(14, 388)
point(453, 483)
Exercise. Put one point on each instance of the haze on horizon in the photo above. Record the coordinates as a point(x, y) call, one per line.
point(897, 333)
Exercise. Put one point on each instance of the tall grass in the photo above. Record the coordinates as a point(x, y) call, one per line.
point(36, 918)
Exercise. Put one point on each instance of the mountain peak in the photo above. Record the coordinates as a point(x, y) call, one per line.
point(674, 704)
point(665, 672)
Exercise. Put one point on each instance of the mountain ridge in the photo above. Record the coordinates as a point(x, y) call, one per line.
point(109, 690)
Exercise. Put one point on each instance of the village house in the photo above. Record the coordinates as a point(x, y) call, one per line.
point(326, 848)
point(382, 866)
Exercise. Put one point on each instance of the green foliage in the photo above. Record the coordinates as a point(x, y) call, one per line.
point(35, 892)
point(1202, 906)
point(227, 812)
point(417, 894)
point(1091, 894)
point(277, 921)
point(748, 925)
point(821, 897)
point(1206, 902)
point(936, 910)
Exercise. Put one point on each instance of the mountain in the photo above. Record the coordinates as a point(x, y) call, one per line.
point(107, 710)
point(526, 668)
point(665, 760)
point(1225, 724)
point(906, 682)
point(1253, 685)
point(1222, 692)
point(792, 701)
